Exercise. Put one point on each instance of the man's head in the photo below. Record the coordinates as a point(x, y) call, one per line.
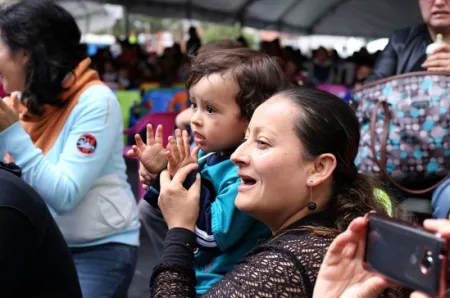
point(225, 87)
point(436, 14)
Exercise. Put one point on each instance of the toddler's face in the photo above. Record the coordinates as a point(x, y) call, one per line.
point(217, 123)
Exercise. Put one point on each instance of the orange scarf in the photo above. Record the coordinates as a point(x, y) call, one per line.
point(44, 129)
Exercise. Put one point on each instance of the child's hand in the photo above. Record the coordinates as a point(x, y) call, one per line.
point(146, 177)
point(178, 152)
point(152, 155)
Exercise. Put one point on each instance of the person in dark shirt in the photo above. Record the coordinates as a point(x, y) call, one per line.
point(35, 261)
point(194, 43)
point(406, 52)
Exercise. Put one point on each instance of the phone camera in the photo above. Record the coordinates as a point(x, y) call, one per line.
point(427, 262)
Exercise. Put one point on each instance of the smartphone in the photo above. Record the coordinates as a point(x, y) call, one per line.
point(406, 254)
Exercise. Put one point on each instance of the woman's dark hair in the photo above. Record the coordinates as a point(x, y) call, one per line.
point(52, 37)
point(326, 124)
point(257, 75)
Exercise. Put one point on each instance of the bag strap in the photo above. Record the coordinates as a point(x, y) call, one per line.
point(383, 160)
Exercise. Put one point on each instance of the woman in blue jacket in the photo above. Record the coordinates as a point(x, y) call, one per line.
point(66, 135)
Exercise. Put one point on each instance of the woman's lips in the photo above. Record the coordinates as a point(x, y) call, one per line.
point(441, 14)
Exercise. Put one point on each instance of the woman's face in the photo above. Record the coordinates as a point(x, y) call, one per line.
point(274, 173)
point(436, 14)
point(13, 68)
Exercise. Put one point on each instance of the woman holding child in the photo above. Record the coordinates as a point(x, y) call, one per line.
point(297, 177)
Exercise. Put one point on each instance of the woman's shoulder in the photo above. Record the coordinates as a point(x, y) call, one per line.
point(305, 249)
point(97, 97)
point(289, 261)
point(95, 92)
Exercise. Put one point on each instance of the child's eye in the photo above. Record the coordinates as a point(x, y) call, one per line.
point(194, 105)
point(210, 110)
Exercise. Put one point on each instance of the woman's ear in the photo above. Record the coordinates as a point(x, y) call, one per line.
point(323, 168)
point(23, 56)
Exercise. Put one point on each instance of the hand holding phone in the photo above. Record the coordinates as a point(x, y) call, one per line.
point(406, 254)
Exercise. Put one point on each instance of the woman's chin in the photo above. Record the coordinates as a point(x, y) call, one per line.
point(244, 202)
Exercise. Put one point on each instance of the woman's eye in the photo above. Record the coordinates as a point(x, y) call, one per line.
point(262, 144)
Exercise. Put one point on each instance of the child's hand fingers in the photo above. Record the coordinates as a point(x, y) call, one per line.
point(171, 162)
point(195, 152)
point(159, 135)
point(136, 151)
point(172, 146)
point(186, 143)
point(150, 137)
point(139, 141)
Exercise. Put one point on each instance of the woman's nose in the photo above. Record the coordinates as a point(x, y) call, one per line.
point(240, 156)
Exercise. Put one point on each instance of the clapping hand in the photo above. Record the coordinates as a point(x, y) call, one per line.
point(178, 152)
point(9, 107)
point(152, 155)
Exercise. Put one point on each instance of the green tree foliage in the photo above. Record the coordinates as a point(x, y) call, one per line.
point(210, 32)
point(213, 32)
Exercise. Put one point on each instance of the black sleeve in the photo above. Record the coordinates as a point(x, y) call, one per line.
point(286, 273)
point(152, 194)
point(18, 243)
point(176, 266)
point(387, 62)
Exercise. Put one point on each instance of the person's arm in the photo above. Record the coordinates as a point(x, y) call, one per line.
point(386, 64)
point(176, 266)
point(175, 277)
point(18, 243)
point(64, 184)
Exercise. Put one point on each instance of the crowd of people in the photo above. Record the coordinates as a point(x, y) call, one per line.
point(126, 66)
point(269, 203)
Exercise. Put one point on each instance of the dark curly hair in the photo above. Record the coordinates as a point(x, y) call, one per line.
point(52, 38)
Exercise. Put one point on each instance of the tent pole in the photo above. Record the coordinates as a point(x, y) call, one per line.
point(87, 24)
point(126, 21)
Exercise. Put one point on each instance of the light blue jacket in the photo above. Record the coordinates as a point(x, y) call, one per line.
point(83, 183)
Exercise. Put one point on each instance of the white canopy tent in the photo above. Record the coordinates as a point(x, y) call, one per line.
point(92, 16)
point(365, 18)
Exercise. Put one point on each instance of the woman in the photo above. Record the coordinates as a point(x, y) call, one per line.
point(298, 177)
point(342, 274)
point(67, 138)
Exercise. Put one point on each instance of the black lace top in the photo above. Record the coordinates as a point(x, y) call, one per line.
point(285, 266)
